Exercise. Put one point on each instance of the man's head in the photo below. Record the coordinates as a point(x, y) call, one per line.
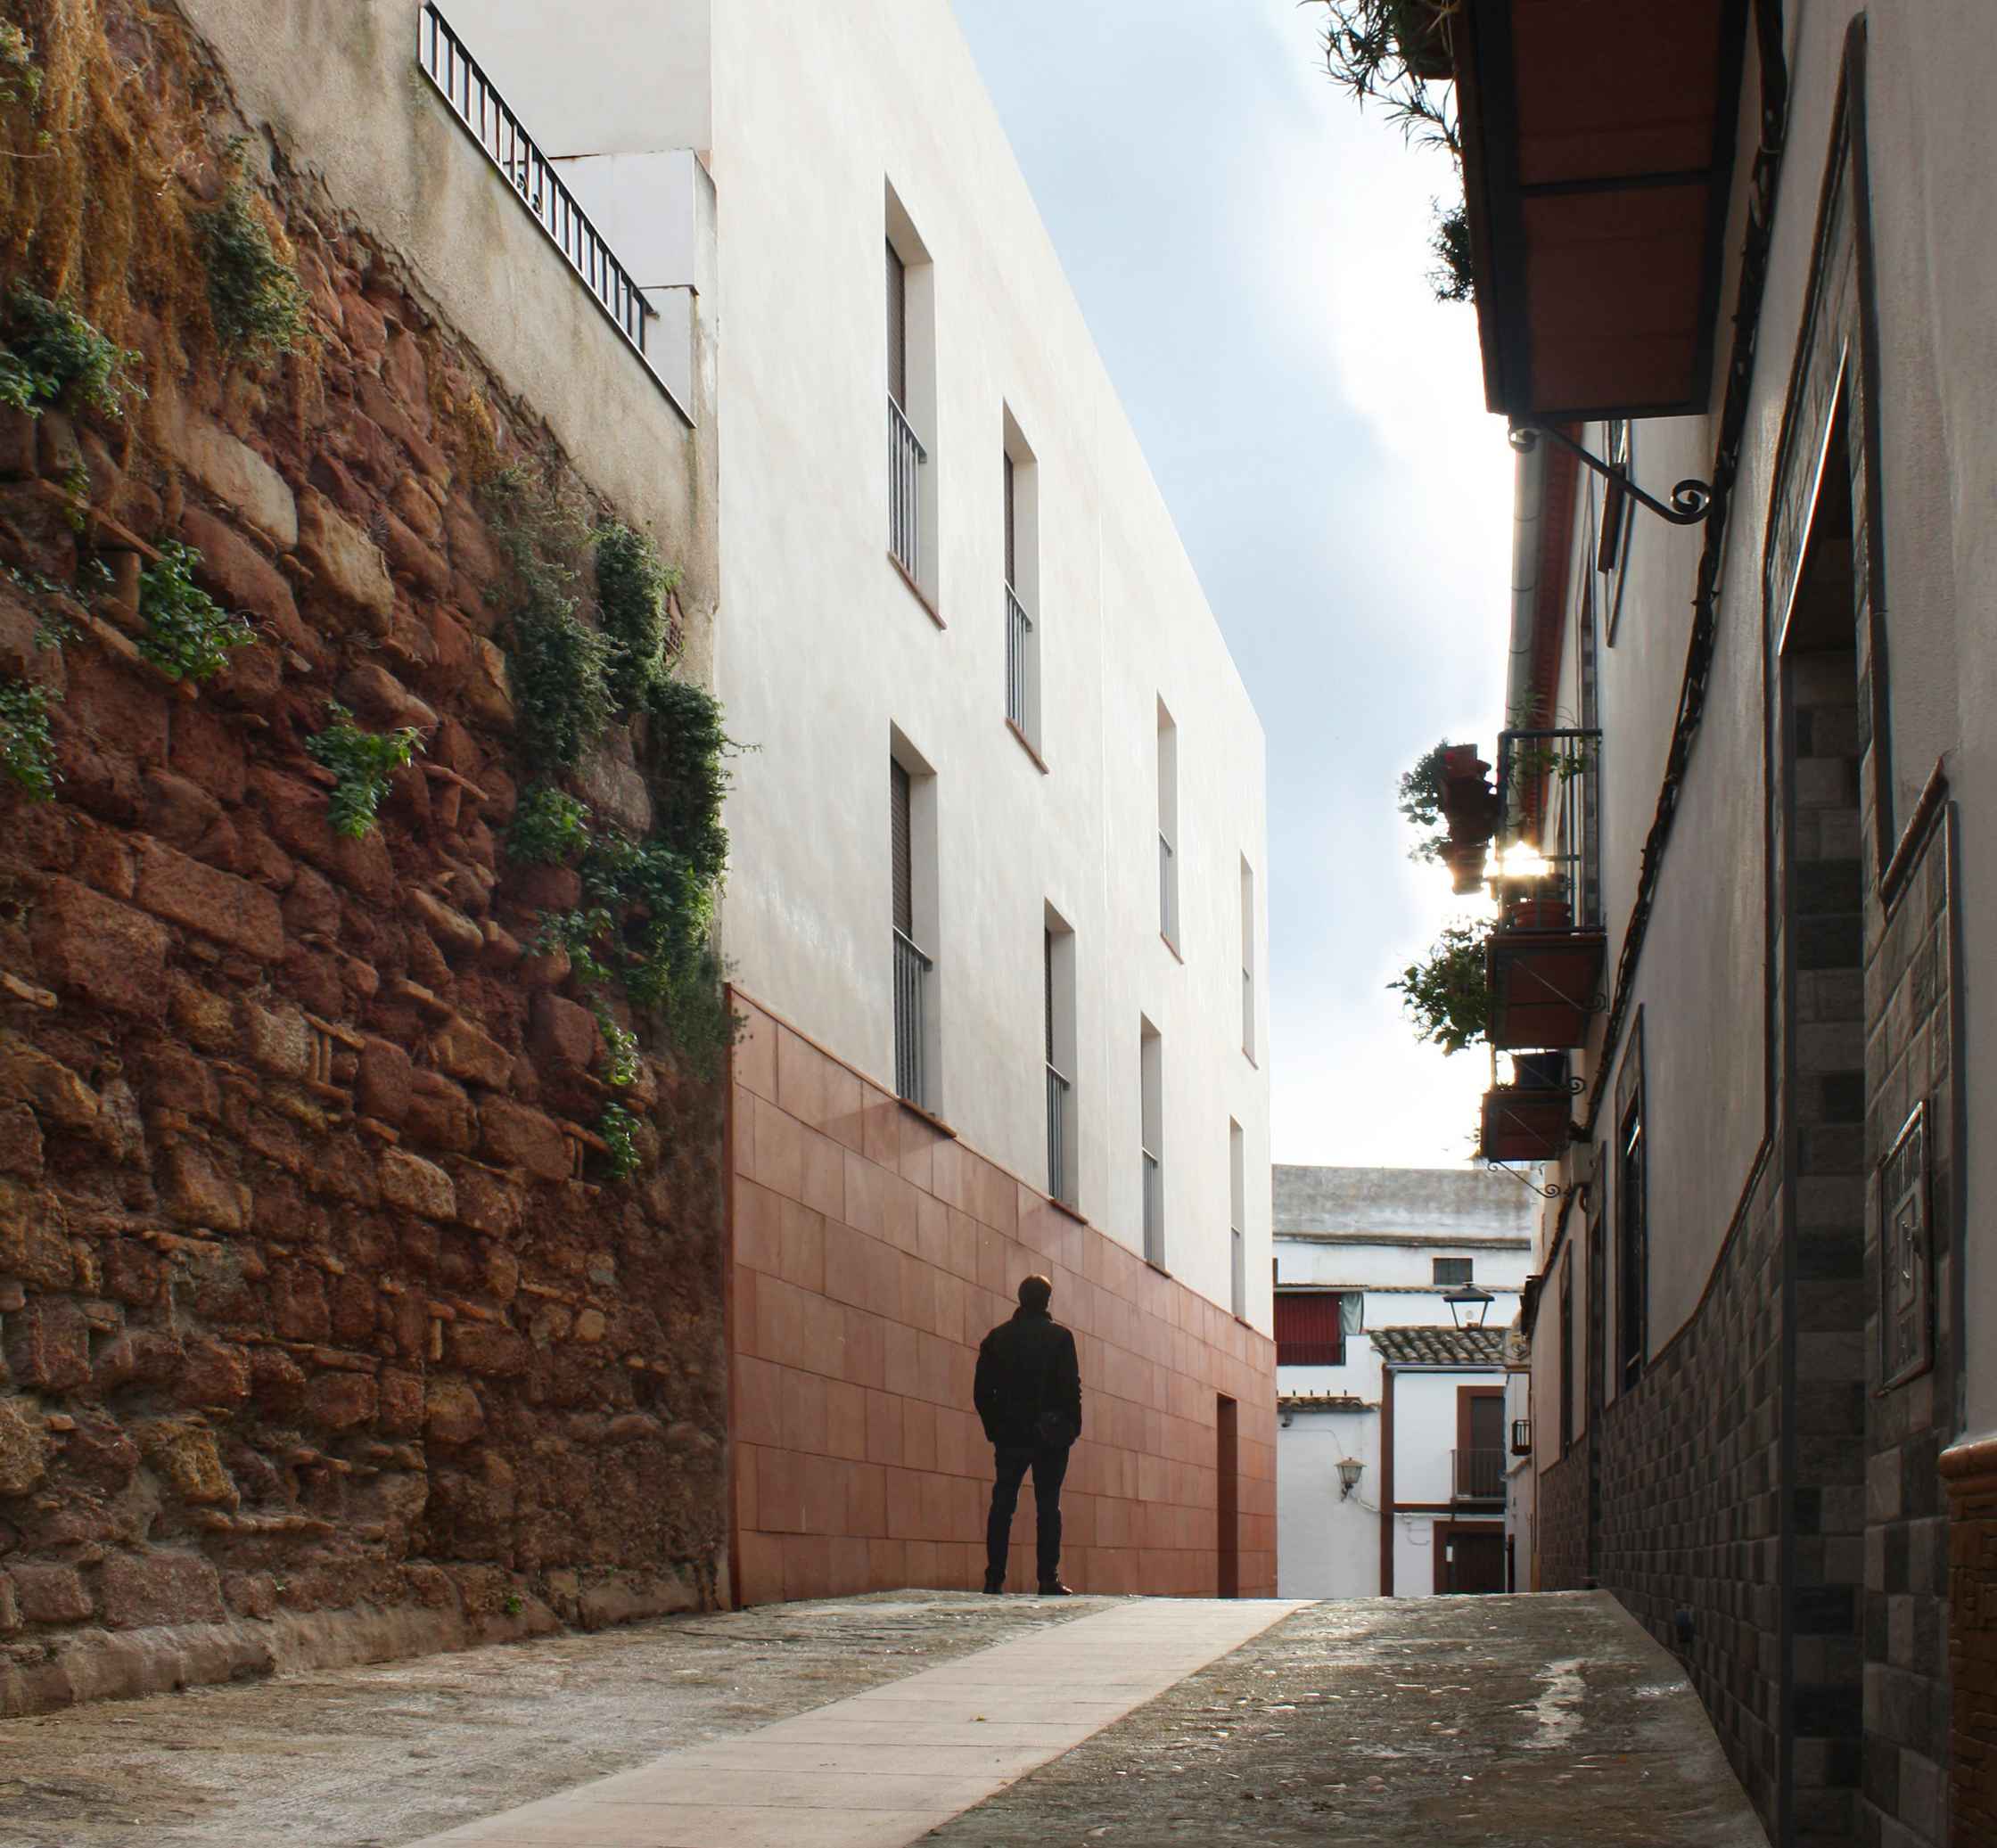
point(1035, 1292)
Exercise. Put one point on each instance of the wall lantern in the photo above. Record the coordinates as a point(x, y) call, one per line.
point(1469, 1305)
point(1349, 1469)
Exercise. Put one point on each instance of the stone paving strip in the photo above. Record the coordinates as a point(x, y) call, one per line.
point(882, 1769)
point(379, 1755)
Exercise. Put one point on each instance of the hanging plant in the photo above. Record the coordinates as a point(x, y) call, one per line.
point(1448, 994)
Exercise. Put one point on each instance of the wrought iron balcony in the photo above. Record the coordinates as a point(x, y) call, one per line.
point(1058, 1092)
point(1548, 952)
point(1529, 1120)
point(911, 986)
point(1479, 1476)
point(1019, 629)
point(1153, 1210)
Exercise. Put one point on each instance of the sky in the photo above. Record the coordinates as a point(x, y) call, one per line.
point(1251, 252)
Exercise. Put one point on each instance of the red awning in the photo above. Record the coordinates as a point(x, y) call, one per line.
point(1597, 142)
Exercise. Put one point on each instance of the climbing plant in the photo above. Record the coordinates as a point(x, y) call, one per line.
point(188, 635)
point(27, 748)
point(254, 295)
point(53, 356)
point(362, 763)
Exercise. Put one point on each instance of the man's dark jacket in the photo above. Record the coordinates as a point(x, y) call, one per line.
point(1027, 1366)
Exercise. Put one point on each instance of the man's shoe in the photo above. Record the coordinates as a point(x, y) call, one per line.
point(994, 1583)
point(1054, 1588)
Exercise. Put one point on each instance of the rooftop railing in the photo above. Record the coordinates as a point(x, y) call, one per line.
point(476, 103)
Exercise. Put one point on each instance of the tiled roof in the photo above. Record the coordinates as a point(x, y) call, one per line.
point(1440, 1347)
point(1323, 1403)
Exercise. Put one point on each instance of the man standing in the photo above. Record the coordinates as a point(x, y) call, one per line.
point(1029, 1394)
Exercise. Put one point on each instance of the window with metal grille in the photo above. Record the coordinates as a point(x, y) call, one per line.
point(912, 965)
point(1310, 1328)
point(1449, 1272)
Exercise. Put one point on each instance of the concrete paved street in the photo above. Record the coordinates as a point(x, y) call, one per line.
point(962, 1721)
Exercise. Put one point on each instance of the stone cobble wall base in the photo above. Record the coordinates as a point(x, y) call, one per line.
point(315, 1344)
point(1563, 1521)
point(872, 1252)
point(1690, 1474)
point(1970, 1471)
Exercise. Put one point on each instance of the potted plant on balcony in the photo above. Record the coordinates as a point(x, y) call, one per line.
point(1449, 790)
point(1448, 994)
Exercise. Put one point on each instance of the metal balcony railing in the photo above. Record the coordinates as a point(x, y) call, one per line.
point(1549, 830)
point(1058, 1091)
point(1249, 1013)
point(911, 985)
point(905, 458)
point(1479, 1476)
point(1237, 1271)
point(1153, 1210)
point(474, 100)
point(1168, 890)
point(1019, 627)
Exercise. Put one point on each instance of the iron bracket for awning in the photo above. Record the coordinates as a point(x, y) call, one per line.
point(1691, 500)
point(1550, 1191)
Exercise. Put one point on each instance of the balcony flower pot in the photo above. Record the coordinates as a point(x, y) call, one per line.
point(1525, 1125)
point(1548, 911)
point(1465, 860)
point(1466, 801)
point(1421, 35)
point(1540, 1071)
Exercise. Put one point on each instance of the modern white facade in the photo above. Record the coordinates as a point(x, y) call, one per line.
point(1384, 1244)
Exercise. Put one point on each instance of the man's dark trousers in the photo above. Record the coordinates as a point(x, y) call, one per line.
point(1050, 1465)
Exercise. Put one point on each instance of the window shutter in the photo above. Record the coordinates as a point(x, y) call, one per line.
point(1046, 987)
point(904, 863)
point(897, 330)
point(1310, 1330)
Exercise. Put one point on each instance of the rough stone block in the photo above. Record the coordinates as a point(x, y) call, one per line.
point(21, 1142)
point(238, 478)
point(298, 1303)
point(475, 669)
point(440, 1114)
point(278, 1039)
point(23, 1448)
point(489, 1348)
point(401, 1411)
point(51, 1594)
point(216, 1373)
point(100, 1453)
point(197, 1193)
point(56, 1095)
point(452, 1413)
point(518, 1136)
point(183, 1451)
point(240, 577)
point(453, 933)
point(34, 1240)
point(487, 1203)
point(383, 1082)
point(468, 1052)
point(92, 946)
point(382, 699)
point(216, 904)
point(418, 1186)
point(178, 810)
point(159, 1588)
point(341, 1402)
point(563, 1034)
point(345, 561)
point(48, 1345)
point(121, 709)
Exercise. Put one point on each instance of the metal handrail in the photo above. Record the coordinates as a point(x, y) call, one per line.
point(1167, 891)
point(1057, 1092)
point(1478, 1475)
point(1153, 1208)
point(911, 979)
point(479, 107)
point(1019, 626)
point(905, 457)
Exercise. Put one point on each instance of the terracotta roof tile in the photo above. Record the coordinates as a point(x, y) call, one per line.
point(1440, 1347)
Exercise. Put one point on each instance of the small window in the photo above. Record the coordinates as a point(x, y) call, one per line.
point(1310, 1329)
point(1151, 1097)
point(913, 899)
point(1632, 1235)
point(1057, 952)
point(1449, 1272)
point(911, 382)
point(1566, 1352)
point(1020, 591)
point(1237, 1214)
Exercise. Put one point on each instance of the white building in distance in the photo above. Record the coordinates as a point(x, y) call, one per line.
point(1372, 1370)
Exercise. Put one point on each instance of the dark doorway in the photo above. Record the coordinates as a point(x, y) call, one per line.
point(1468, 1559)
point(1226, 1462)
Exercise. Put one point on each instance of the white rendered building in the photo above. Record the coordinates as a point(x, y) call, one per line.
point(1372, 1370)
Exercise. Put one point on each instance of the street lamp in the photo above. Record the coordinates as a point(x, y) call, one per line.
point(1348, 1472)
point(1469, 1305)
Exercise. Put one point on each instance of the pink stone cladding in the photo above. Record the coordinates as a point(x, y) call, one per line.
point(871, 1251)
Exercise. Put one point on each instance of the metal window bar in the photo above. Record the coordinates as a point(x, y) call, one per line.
point(1153, 1210)
point(1248, 1012)
point(1237, 1277)
point(1057, 1092)
point(905, 458)
point(1479, 1474)
point(1521, 1437)
point(1547, 807)
point(911, 984)
point(1168, 890)
point(474, 100)
point(1019, 626)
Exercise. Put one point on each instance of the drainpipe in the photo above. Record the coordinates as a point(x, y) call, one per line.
point(1528, 515)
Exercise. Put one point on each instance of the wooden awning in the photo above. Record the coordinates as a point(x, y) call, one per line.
point(1598, 147)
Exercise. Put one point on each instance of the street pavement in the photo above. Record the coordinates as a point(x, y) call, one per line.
point(955, 1721)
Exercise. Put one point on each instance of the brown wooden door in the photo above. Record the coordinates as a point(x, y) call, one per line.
point(1469, 1560)
point(1227, 1464)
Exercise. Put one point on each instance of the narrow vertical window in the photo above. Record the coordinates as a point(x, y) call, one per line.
point(1151, 1144)
point(1057, 971)
point(1168, 827)
point(1566, 1352)
point(1238, 1216)
point(911, 382)
point(1633, 1239)
point(1247, 959)
point(911, 848)
point(1021, 591)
